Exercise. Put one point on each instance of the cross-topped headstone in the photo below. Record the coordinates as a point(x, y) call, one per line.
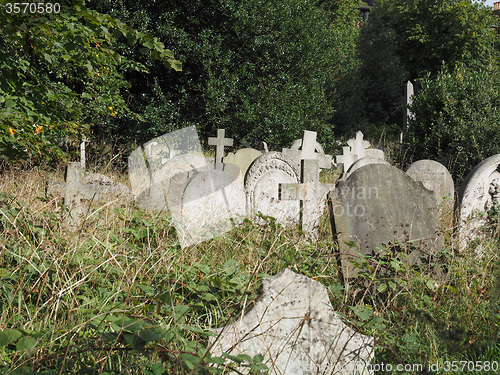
point(219, 142)
point(306, 148)
point(311, 194)
point(357, 149)
point(79, 188)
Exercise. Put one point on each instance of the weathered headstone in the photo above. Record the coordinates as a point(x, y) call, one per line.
point(220, 142)
point(379, 204)
point(147, 165)
point(367, 160)
point(357, 149)
point(153, 198)
point(205, 204)
point(476, 197)
point(242, 158)
point(262, 188)
point(293, 325)
point(308, 148)
point(435, 177)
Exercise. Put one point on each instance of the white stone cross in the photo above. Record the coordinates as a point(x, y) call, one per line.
point(311, 193)
point(307, 151)
point(220, 142)
point(357, 149)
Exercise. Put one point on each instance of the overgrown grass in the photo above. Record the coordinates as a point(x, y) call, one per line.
point(119, 296)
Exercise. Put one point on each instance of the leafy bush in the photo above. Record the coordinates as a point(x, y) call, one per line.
point(457, 118)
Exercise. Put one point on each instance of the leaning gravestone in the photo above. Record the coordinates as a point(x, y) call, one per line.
point(476, 197)
point(357, 149)
point(379, 204)
point(367, 160)
point(148, 165)
point(295, 328)
point(262, 188)
point(205, 204)
point(435, 177)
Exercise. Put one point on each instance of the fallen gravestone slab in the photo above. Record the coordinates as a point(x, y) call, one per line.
point(435, 177)
point(262, 182)
point(293, 325)
point(379, 204)
point(478, 194)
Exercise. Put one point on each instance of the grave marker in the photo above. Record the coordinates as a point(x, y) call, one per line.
point(308, 148)
point(379, 204)
point(220, 142)
point(262, 188)
point(435, 177)
point(311, 194)
point(476, 198)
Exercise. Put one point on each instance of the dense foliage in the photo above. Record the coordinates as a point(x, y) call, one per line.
point(260, 69)
point(60, 72)
point(457, 117)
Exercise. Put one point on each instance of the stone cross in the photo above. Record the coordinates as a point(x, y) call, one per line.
point(219, 142)
point(307, 151)
point(78, 188)
point(357, 149)
point(311, 194)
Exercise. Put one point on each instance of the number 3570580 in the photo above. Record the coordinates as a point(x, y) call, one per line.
point(33, 8)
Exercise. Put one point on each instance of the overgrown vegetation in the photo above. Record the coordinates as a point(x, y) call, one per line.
point(120, 297)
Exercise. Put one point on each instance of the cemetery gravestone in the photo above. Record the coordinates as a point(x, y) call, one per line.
point(477, 196)
point(379, 204)
point(205, 204)
point(147, 165)
point(357, 149)
point(295, 328)
point(243, 159)
point(435, 177)
point(262, 188)
point(80, 190)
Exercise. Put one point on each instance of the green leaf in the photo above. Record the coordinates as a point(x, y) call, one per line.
point(362, 312)
point(190, 360)
point(9, 336)
point(26, 343)
point(158, 368)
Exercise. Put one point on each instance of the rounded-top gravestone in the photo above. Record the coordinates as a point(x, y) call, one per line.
point(262, 188)
point(477, 196)
point(435, 177)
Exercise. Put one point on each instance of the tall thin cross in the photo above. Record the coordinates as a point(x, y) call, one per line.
point(308, 151)
point(220, 142)
point(310, 192)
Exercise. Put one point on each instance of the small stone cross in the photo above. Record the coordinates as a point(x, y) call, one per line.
point(220, 142)
point(357, 149)
point(310, 192)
